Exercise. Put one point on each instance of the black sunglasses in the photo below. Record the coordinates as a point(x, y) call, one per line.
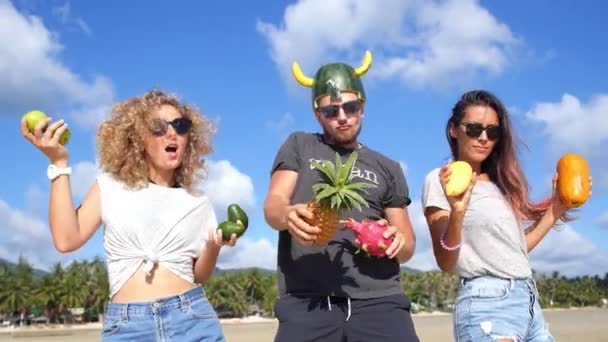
point(474, 130)
point(180, 125)
point(350, 108)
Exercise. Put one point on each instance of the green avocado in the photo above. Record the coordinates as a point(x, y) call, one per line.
point(237, 215)
point(228, 228)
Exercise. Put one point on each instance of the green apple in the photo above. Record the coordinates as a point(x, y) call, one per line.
point(32, 119)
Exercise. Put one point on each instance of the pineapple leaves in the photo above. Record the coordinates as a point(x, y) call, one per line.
point(334, 202)
point(318, 188)
point(359, 186)
point(344, 173)
point(326, 193)
point(339, 167)
point(326, 168)
point(355, 197)
point(337, 189)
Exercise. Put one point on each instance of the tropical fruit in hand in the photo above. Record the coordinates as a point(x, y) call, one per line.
point(228, 228)
point(336, 192)
point(460, 178)
point(573, 183)
point(237, 215)
point(369, 237)
point(32, 119)
point(237, 222)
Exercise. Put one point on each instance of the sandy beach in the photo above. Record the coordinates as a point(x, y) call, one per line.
point(589, 325)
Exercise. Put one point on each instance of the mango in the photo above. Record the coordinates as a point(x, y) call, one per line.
point(573, 184)
point(460, 178)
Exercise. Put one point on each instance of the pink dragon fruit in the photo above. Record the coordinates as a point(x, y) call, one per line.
point(369, 237)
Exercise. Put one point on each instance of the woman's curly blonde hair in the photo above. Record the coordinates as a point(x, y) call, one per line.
point(120, 140)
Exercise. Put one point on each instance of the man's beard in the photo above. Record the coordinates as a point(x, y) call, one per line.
point(342, 138)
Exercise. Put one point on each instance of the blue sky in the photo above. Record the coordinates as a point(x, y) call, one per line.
point(546, 60)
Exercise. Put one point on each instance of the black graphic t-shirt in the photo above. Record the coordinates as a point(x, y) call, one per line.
point(335, 270)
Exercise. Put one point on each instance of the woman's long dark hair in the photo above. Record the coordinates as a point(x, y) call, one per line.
point(502, 165)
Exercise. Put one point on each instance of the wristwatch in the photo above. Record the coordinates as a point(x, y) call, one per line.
point(54, 171)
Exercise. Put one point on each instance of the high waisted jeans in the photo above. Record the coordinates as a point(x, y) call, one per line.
point(185, 317)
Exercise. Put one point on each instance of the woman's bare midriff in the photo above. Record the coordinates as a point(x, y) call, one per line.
point(162, 283)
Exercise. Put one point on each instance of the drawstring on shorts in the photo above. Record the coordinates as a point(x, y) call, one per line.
point(348, 315)
point(348, 310)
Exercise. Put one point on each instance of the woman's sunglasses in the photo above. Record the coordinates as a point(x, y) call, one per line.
point(350, 108)
point(180, 125)
point(474, 130)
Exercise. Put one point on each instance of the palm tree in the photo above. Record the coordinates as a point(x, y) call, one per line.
point(49, 291)
point(16, 292)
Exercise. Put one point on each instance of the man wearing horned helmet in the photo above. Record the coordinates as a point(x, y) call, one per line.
point(329, 291)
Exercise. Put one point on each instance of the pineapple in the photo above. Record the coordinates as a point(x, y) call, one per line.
point(335, 193)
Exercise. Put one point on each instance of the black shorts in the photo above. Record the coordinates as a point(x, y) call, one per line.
point(385, 319)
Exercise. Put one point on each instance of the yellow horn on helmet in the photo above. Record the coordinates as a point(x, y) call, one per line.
point(367, 62)
point(300, 77)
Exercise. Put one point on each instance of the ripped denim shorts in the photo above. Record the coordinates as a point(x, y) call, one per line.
point(490, 309)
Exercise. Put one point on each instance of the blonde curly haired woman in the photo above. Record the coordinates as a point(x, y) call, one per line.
point(160, 234)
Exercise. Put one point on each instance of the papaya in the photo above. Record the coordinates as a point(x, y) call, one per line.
point(237, 215)
point(460, 178)
point(228, 228)
point(573, 185)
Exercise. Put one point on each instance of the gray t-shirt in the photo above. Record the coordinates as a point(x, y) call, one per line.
point(335, 270)
point(493, 241)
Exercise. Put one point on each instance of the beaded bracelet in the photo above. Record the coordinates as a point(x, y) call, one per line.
point(446, 247)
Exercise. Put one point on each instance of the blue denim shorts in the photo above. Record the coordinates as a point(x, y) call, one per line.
point(489, 308)
point(185, 317)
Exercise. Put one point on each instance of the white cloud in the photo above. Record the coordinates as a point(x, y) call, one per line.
point(64, 14)
point(424, 43)
point(225, 184)
point(37, 201)
point(26, 232)
point(281, 125)
point(33, 76)
point(602, 220)
point(458, 39)
point(575, 127)
point(572, 125)
point(25, 235)
point(83, 176)
point(249, 253)
point(555, 253)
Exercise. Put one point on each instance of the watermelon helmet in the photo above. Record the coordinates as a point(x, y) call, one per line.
point(334, 78)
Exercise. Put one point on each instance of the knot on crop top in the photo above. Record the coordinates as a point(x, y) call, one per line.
point(150, 260)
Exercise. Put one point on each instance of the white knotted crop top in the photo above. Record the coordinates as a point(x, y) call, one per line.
point(152, 225)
